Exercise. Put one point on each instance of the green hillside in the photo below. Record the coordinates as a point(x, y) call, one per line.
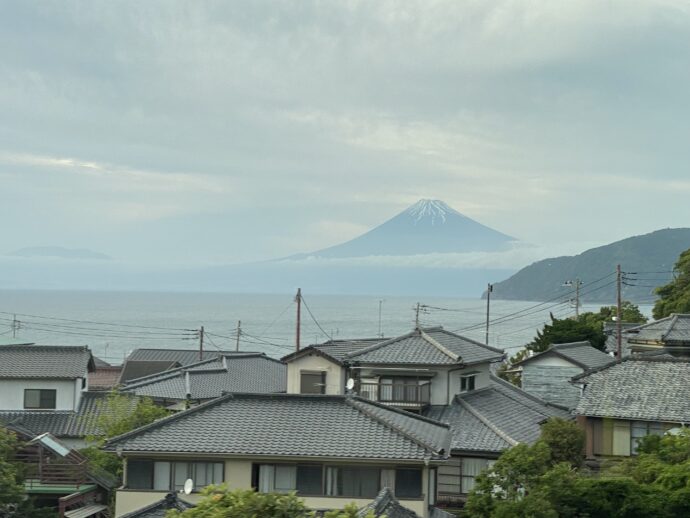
point(654, 252)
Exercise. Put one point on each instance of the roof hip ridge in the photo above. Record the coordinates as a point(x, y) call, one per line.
point(440, 347)
point(476, 413)
point(417, 441)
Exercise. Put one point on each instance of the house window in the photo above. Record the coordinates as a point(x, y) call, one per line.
point(166, 476)
point(408, 483)
point(312, 382)
point(353, 481)
point(404, 390)
point(283, 478)
point(470, 468)
point(467, 382)
point(40, 399)
point(639, 429)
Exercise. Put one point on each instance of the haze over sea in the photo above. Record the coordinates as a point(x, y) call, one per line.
point(268, 321)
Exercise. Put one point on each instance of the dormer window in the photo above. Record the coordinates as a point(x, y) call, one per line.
point(467, 382)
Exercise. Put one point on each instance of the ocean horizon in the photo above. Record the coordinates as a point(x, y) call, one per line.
point(113, 323)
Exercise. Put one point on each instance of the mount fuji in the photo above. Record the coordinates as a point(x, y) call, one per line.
point(427, 227)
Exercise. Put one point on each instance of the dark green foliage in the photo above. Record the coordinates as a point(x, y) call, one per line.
point(674, 297)
point(547, 480)
point(220, 502)
point(119, 414)
point(566, 331)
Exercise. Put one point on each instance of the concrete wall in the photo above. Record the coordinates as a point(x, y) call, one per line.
point(68, 392)
point(551, 383)
point(335, 374)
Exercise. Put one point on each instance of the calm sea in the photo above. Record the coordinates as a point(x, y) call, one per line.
point(108, 321)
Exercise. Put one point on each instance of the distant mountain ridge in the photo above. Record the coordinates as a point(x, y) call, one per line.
point(428, 226)
point(647, 259)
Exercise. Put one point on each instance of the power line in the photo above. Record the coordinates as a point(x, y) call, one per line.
point(137, 326)
point(119, 332)
point(314, 319)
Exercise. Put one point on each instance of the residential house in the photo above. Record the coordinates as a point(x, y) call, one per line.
point(43, 377)
point(629, 399)
point(440, 374)
point(145, 362)
point(60, 478)
point(611, 332)
point(427, 366)
point(72, 427)
point(331, 450)
point(322, 368)
point(547, 374)
point(387, 505)
point(671, 334)
point(484, 422)
point(104, 376)
point(208, 379)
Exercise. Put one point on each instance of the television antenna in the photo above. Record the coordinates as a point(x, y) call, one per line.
point(188, 486)
point(350, 384)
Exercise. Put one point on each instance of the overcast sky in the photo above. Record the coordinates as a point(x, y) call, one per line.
point(204, 131)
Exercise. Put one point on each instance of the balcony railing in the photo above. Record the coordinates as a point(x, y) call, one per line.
point(397, 393)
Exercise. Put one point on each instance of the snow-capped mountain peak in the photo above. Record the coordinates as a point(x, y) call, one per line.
point(435, 210)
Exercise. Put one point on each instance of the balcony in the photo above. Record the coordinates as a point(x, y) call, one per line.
point(400, 394)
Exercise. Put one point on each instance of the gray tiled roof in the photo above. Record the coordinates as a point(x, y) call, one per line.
point(494, 418)
point(256, 373)
point(59, 423)
point(291, 425)
point(135, 369)
point(336, 350)
point(385, 504)
point(160, 509)
point(431, 346)
point(673, 330)
point(651, 388)
point(181, 356)
point(45, 361)
point(581, 354)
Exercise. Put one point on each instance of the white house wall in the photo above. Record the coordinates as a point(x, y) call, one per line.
point(68, 392)
point(335, 375)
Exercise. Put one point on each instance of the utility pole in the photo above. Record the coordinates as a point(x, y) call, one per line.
point(619, 314)
point(489, 289)
point(577, 285)
point(201, 343)
point(239, 332)
point(298, 299)
point(416, 316)
point(381, 301)
point(16, 324)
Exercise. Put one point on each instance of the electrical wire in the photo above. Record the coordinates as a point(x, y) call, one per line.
point(314, 319)
point(139, 326)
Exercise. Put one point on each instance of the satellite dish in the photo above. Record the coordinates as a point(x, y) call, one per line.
point(350, 384)
point(188, 486)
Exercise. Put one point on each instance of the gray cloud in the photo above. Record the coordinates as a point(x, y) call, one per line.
point(227, 131)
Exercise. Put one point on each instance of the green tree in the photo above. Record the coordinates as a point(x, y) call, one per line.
point(566, 331)
point(565, 440)
point(117, 414)
point(674, 297)
point(221, 502)
point(11, 491)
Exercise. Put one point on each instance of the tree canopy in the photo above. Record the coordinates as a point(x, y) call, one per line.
point(674, 297)
point(117, 414)
point(549, 480)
